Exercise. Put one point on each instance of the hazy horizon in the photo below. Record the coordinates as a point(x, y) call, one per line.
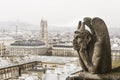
point(59, 12)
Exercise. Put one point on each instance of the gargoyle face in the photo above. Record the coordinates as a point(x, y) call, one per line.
point(81, 39)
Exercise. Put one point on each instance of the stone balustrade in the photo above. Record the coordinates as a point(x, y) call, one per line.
point(13, 71)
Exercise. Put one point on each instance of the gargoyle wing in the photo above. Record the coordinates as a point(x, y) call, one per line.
point(99, 27)
point(102, 49)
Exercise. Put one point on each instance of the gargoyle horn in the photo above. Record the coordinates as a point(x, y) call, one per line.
point(79, 24)
point(82, 28)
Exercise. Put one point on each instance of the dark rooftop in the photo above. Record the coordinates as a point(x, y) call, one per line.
point(28, 43)
point(67, 45)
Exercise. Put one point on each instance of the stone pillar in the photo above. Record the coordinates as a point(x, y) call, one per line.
point(1, 74)
point(4, 75)
point(9, 74)
point(12, 71)
point(19, 71)
point(16, 71)
point(44, 31)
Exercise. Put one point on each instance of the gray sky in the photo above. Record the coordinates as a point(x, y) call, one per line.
point(60, 12)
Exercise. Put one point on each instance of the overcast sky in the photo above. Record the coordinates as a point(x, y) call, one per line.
point(60, 12)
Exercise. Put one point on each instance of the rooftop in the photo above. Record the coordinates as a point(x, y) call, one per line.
point(43, 59)
point(67, 45)
point(28, 43)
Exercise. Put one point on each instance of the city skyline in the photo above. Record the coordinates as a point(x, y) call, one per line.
point(59, 12)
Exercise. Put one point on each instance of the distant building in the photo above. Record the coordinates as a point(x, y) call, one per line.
point(39, 65)
point(44, 31)
point(115, 42)
point(2, 49)
point(7, 40)
point(63, 49)
point(26, 47)
point(116, 53)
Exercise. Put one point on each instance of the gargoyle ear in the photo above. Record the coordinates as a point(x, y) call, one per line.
point(79, 24)
point(88, 38)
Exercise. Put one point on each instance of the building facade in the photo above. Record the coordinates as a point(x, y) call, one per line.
point(63, 49)
point(116, 53)
point(2, 49)
point(27, 47)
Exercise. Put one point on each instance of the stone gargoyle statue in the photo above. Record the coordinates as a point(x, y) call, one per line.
point(93, 45)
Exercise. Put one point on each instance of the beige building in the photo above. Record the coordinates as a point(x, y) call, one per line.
point(27, 47)
point(115, 54)
point(63, 49)
point(6, 40)
point(2, 49)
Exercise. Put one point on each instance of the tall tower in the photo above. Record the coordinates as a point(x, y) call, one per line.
point(44, 31)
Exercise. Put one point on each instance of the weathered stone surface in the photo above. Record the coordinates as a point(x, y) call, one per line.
point(93, 46)
point(89, 76)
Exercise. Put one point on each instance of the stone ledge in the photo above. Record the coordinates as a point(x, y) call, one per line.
point(89, 76)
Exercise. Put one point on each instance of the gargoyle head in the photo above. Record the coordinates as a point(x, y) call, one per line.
point(82, 37)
